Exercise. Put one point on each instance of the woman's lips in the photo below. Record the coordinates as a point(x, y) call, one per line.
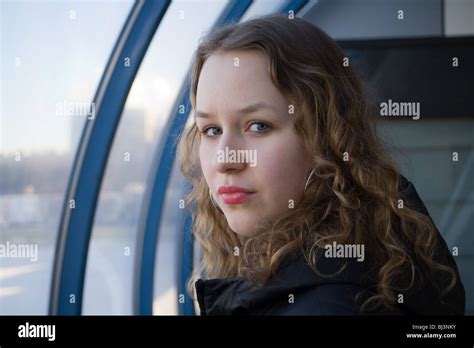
point(235, 198)
point(234, 194)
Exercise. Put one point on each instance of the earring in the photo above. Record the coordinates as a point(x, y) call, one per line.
point(309, 179)
point(213, 202)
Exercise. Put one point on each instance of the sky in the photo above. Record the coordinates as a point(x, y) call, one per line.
point(54, 52)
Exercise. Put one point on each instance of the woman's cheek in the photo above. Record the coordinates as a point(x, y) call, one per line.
point(282, 169)
point(270, 171)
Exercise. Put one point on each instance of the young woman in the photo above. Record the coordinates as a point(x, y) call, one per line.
point(296, 205)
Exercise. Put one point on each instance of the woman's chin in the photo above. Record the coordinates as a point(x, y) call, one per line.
point(241, 225)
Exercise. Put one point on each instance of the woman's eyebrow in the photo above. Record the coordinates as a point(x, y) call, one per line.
point(246, 110)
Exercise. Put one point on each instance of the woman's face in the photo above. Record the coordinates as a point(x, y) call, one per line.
point(248, 140)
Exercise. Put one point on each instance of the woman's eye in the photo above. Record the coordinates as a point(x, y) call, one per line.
point(259, 127)
point(209, 131)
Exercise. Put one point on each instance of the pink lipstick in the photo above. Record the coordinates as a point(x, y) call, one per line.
point(234, 194)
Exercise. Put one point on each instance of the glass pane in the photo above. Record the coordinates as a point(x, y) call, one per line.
point(166, 268)
point(52, 57)
point(262, 7)
point(109, 276)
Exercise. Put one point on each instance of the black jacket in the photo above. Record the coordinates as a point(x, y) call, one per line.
point(297, 290)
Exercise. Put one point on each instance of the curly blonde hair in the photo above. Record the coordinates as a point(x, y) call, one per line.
point(354, 201)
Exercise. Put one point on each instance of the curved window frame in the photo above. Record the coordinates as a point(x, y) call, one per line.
point(89, 165)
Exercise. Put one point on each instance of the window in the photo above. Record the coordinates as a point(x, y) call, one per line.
point(52, 57)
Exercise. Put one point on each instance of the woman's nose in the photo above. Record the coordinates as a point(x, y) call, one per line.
point(230, 156)
point(229, 160)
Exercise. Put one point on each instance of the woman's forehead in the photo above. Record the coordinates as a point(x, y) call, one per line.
point(236, 80)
